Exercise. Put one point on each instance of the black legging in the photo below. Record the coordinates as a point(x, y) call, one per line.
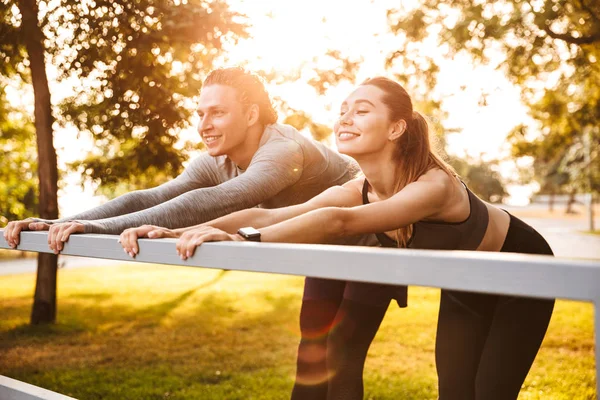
point(336, 335)
point(486, 344)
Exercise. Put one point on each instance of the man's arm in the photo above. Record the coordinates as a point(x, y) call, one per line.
point(199, 174)
point(348, 195)
point(335, 196)
point(276, 166)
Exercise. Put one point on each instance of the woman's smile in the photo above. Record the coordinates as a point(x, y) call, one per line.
point(345, 136)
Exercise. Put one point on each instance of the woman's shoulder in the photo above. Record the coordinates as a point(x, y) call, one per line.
point(443, 182)
point(355, 184)
point(438, 175)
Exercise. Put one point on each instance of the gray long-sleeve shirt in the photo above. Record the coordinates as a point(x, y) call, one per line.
point(287, 169)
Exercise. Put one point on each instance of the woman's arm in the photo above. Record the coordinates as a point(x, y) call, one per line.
point(415, 202)
point(336, 196)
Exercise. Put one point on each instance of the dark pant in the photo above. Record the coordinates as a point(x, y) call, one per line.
point(484, 348)
point(336, 335)
point(486, 344)
point(338, 322)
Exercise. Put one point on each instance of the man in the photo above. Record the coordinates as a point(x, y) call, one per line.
point(250, 161)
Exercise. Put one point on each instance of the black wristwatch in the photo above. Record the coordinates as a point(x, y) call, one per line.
point(250, 234)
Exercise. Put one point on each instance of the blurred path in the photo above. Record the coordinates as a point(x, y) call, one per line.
point(563, 234)
point(566, 237)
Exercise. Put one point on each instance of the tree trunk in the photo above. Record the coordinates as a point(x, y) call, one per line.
point(551, 201)
point(591, 212)
point(44, 300)
point(570, 202)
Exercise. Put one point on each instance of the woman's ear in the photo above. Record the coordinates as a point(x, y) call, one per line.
point(253, 114)
point(397, 130)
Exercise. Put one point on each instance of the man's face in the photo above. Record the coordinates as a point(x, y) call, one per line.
point(223, 120)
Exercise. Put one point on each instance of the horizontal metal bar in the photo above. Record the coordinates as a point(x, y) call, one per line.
point(11, 389)
point(488, 272)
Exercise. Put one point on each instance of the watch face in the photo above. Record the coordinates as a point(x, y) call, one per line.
point(249, 232)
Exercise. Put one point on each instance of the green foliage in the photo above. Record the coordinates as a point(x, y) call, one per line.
point(340, 69)
point(344, 69)
point(547, 155)
point(481, 178)
point(137, 64)
point(550, 48)
point(11, 41)
point(18, 180)
point(141, 61)
point(301, 120)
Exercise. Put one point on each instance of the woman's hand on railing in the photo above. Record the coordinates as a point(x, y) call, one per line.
point(129, 237)
point(59, 233)
point(189, 240)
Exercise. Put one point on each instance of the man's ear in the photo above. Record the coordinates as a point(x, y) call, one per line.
point(253, 114)
point(397, 130)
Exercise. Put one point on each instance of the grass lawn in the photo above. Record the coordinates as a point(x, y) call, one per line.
point(13, 255)
point(162, 332)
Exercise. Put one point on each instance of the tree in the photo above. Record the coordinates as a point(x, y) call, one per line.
point(481, 178)
point(136, 62)
point(550, 49)
point(548, 157)
point(18, 181)
point(44, 303)
point(567, 148)
point(301, 120)
point(340, 68)
point(145, 60)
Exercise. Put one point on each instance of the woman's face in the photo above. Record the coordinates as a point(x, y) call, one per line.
point(364, 125)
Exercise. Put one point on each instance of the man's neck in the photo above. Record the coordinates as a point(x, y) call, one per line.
point(242, 155)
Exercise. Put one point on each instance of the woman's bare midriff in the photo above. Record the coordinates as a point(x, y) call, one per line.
point(458, 209)
point(496, 231)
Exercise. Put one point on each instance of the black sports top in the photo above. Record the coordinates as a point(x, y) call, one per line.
point(465, 235)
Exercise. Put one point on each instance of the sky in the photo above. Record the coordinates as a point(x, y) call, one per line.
point(361, 30)
point(286, 33)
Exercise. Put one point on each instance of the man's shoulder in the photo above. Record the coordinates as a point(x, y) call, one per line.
point(278, 136)
point(204, 165)
point(281, 132)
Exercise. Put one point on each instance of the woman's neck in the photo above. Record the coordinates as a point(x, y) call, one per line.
point(382, 173)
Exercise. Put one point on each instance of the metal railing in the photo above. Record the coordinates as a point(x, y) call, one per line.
point(11, 389)
point(484, 272)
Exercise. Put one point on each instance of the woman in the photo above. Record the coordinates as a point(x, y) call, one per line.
point(485, 343)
